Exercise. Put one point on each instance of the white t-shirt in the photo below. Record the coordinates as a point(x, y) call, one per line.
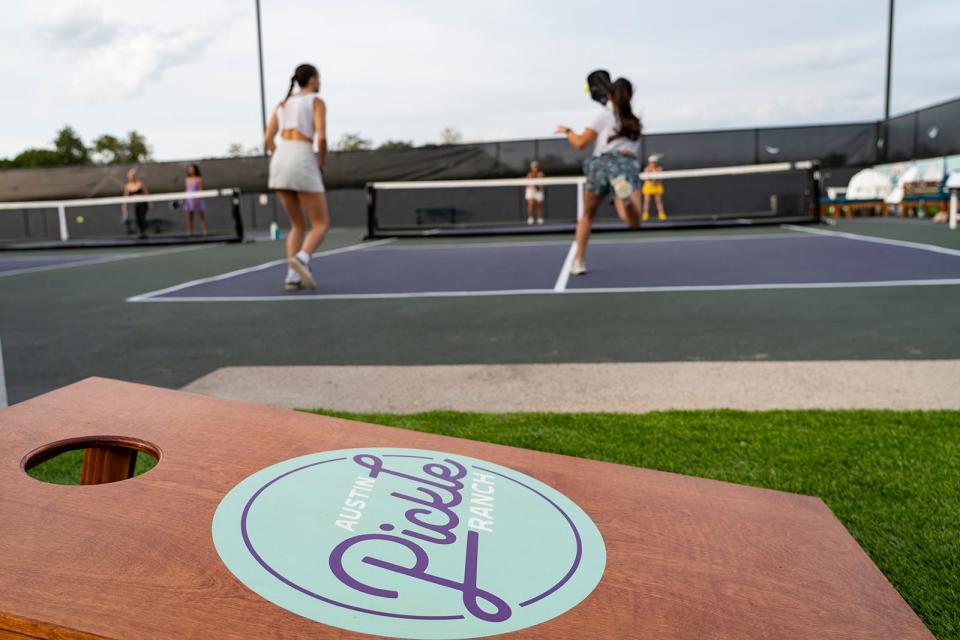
point(606, 124)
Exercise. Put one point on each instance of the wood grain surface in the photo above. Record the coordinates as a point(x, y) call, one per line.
point(686, 558)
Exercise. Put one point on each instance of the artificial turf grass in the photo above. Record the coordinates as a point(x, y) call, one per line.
point(65, 468)
point(892, 478)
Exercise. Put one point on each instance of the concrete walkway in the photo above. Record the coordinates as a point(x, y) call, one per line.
point(607, 387)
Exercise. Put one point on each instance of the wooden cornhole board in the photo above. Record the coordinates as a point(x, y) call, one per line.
point(685, 557)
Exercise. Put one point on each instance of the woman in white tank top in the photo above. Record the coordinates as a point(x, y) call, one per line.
point(296, 172)
point(614, 166)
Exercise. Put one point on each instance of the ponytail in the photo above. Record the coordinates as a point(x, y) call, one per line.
point(301, 76)
point(293, 80)
point(630, 126)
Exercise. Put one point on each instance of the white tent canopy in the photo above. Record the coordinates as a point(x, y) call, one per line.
point(869, 184)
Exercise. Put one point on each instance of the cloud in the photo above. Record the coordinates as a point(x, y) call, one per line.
point(113, 60)
point(123, 68)
point(82, 28)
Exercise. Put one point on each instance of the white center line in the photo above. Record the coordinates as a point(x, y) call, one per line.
point(564, 276)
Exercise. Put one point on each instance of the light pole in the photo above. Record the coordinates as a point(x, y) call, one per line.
point(886, 95)
point(263, 95)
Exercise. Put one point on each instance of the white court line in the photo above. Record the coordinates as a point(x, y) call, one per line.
point(3, 383)
point(564, 274)
point(518, 292)
point(593, 241)
point(896, 243)
point(150, 295)
point(100, 260)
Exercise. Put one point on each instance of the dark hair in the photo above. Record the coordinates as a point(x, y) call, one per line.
point(630, 126)
point(196, 169)
point(301, 77)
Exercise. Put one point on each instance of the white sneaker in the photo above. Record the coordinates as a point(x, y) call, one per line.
point(530, 220)
point(291, 282)
point(303, 269)
point(578, 268)
point(540, 221)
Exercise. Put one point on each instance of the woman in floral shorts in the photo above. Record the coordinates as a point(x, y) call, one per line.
point(614, 166)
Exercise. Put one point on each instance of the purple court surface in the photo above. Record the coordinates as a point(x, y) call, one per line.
point(16, 264)
point(701, 263)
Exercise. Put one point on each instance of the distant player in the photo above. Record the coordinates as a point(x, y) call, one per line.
point(614, 166)
point(194, 206)
point(296, 172)
point(135, 187)
point(534, 194)
point(652, 188)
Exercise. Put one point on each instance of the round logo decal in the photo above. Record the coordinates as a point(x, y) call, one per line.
point(409, 544)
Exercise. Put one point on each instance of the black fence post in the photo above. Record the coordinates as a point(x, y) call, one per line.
point(371, 211)
point(237, 216)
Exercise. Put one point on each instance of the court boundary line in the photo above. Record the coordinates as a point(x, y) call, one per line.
point(151, 295)
point(876, 240)
point(564, 276)
point(593, 241)
point(100, 260)
point(514, 292)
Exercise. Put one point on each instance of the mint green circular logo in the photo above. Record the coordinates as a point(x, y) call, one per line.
point(408, 543)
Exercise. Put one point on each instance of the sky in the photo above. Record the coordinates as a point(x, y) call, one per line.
point(184, 73)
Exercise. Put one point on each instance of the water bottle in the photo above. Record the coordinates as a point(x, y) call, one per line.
point(274, 231)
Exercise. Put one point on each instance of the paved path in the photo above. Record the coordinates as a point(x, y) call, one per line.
point(609, 387)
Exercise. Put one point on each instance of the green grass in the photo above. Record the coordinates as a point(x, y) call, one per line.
point(892, 478)
point(65, 468)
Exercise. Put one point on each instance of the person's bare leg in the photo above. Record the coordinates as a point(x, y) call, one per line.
point(203, 221)
point(591, 202)
point(189, 223)
point(540, 211)
point(645, 214)
point(530, 204)
point(635, 200)
point(660, 212)
point(315, 204)
point(291, 205)
point(628, 212)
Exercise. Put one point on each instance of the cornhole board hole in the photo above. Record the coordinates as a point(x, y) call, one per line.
point(265, 523)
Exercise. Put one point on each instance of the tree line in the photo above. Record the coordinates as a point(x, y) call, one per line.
point(354, 141)
point(69, 149)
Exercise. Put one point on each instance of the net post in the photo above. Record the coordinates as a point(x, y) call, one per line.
point(816, 176)
point(237, 217)
point(953, 209)
point(579, 201)
point(62, 216)
point(371, 211)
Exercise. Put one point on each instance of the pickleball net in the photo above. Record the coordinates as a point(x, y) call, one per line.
point(777, 193)
point(112, 221)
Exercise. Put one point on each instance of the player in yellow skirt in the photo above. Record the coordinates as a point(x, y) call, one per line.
point(652, 188)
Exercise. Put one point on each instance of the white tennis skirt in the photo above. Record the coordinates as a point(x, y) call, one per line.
point(293, 167)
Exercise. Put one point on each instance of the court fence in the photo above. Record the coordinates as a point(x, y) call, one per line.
point(926, 133)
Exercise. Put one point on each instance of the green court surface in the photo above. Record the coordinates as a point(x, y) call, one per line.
point(62, 325)
point(890, 477)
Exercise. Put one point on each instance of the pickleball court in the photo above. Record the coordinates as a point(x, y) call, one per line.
point(791, 257)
